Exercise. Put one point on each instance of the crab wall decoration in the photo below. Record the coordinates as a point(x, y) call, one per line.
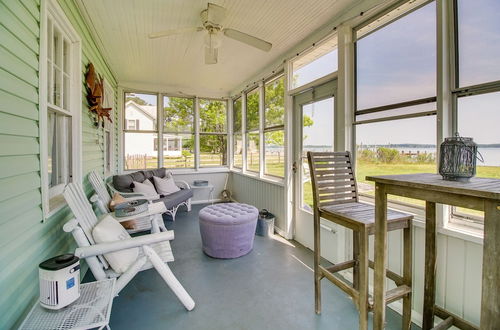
point(95, 95)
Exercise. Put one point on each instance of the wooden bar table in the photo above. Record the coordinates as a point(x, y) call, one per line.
point(479, 194)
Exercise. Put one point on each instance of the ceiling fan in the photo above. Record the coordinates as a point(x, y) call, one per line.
point(212, 19)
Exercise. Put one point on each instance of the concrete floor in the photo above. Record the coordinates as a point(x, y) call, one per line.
point(270, 288)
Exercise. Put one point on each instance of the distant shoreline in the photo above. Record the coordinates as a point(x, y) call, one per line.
point(420, 146)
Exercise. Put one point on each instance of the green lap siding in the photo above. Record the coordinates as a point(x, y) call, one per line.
point(24, 240)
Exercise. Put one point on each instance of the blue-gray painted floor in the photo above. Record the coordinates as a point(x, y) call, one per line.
point(269, 288)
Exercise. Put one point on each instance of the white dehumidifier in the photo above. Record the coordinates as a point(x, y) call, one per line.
point(59, 281)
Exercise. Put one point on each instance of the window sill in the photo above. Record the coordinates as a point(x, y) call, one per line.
point(467, 233)
point(182, 171)
point(267, 179)
point(56, 204)
point(453, 229)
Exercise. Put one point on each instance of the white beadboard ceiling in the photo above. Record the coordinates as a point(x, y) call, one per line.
point(176, 63)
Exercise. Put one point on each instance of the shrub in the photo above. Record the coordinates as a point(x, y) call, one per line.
point(387, 155)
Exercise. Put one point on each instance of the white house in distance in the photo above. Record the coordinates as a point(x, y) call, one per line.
point(142, 118)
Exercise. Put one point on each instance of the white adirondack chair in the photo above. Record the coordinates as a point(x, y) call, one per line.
point(102, 199)
point(155, 250)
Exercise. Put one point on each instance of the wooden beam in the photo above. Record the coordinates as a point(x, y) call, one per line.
point(445, 324)
point(340, 266)
point(398, 280)
point(490, 307)
point(380, 256)
point(457, 321)
point(430, 266)
point(341, 284)
point(396, 293)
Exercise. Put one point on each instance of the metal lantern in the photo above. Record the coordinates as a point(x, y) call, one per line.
point(457, 161)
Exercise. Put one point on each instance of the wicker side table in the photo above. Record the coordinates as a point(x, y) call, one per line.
point(91, 310)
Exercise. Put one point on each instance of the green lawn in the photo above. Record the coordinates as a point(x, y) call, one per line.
point(368, 169)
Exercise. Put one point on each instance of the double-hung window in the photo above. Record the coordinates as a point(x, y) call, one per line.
point(60, 107)
point(213, 132)
point(395, 117)
point(237, 134)
point(476, 88)
point(252, 134)
point(109, 130)
point(141, 131)
point(178, 132)
point(274, 127)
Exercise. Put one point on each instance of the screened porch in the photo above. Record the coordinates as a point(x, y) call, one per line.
point(207, 110)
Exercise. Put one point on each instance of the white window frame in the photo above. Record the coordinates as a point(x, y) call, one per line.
point(200, 133)
point(159, 130)
point(275, 128)
point(455, 220)
point(50, 8)
point(164, 132)
point(259, 90)
point(386, 17)
point(109, 128)
point(135, 124)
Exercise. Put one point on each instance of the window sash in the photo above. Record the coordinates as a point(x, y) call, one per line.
point(216, 130)
point(191, 123)
point(196, 133)
point(250, 127)
point(59, 149)
point(281, 155)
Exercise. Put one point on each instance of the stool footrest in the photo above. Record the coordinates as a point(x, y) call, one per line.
point(455, 320)
point(341, 266)
point(338, 282)
point(397, 293)
point(445, 324)
point(398, 280)
point(392, 295)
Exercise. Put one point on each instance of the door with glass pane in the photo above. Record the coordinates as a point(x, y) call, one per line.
point(313, 131)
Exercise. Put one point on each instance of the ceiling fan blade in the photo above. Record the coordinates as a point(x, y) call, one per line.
point(248, 39)
point(215, 13)
point(211, 55)
point(167, 33)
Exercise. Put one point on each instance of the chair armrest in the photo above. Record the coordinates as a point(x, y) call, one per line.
point(150, 198)
point(133, 195)
point(182, 184)
point(103, 248)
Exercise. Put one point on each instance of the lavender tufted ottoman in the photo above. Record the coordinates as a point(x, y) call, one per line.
point(227, 230)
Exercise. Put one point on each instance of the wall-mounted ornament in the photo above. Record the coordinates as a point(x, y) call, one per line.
point(95, 96)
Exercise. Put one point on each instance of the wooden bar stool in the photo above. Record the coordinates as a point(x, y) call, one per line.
point(335, 195)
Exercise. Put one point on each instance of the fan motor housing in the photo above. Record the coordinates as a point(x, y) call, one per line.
point(59, 281)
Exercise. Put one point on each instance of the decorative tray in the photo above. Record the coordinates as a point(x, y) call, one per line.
point(200, 183)
point(131, 208)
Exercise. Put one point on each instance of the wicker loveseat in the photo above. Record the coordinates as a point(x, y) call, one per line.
point(122, 184)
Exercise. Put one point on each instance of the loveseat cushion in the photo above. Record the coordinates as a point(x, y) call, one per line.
point(123, 182)
point(159, 172)
point(175, 198)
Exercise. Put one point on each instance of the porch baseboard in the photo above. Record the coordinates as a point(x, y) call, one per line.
point(206, 201)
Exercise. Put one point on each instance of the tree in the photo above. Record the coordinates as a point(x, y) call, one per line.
point(136, 99)
point(179, 117)
point(213, 120)
point(274, 112)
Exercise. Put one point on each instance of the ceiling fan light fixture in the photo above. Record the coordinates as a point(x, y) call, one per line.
point(213, 40)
